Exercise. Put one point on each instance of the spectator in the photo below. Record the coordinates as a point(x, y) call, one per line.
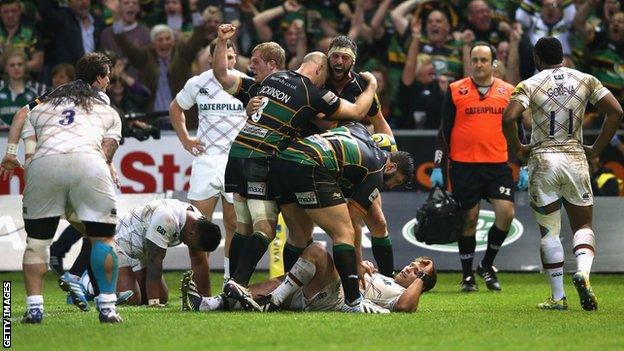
point(127, 93)
point(135, 32)
point(62, 73)
point(16, 90)
point(483, 26)
point(550, 21)
point(17, 34)
point(165, 65)
point(73, 30)
point(420, 95)
point(176, 14)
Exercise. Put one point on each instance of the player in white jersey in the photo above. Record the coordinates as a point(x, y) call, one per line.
point(143, 236)
point(557, 160)
point(313, 284)
point(221, 117)
point(77, 135)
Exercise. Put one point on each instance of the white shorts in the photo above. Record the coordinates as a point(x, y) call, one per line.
point(330, 298)
point(553, 176)
point(208, 178)
point(125, 261)
point(78, 181)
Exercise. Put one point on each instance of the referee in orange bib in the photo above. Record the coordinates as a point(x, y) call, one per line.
point(472, 135)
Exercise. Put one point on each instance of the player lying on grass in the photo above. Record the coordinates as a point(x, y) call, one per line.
point(313, 284)
point(142, 238)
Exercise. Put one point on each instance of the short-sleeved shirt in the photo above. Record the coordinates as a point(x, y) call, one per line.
point(221, 116)
point(351, 157)
point(68, 128)
point(382, 290)
point(159, 221)
point(289, 102)
point(26, 37)
point(557, 99)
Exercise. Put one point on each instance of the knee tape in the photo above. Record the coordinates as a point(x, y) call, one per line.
point(242, 212)
point(262, 210)
point(584, 239)
point(37, 251)
point(550, 224)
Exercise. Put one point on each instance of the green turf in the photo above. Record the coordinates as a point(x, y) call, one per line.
point(446, 320)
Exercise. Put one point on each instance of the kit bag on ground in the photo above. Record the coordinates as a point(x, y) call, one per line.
point(439, 219)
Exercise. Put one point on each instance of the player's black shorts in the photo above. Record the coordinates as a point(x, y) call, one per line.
point(475, 181)
point(249, 177)
point(308, 186)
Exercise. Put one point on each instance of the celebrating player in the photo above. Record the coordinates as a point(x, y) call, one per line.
point(557, 160)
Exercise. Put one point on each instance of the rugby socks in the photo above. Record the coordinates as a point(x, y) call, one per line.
point(584, 242)
point(238, 241)
point(344, 260)
point(250, 254)
point(105, 268)
point(34, 302)
point(496, 237)
point(290, 256)
point(61, 246)
point(552, 261)
point(301, 274)
point(382, 252)
point(81, 263)
point(467, 245)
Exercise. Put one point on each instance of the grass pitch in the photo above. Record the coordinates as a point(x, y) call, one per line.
point(446, 320)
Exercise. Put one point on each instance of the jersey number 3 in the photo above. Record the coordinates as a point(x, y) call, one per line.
point(68, 117)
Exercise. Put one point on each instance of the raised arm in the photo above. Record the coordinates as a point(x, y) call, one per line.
point(377, 22)
point(399, 16)
point(263, 19)
point(579, 23)
point(219, 63)
point(409, 70)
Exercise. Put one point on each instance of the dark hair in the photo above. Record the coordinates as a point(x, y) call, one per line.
point(343, 41)
point(549, 50)
point(208, 234)
point(213, 45)
point(405, 164)
point(91, 66)
point(79, 92)
point(485, 43)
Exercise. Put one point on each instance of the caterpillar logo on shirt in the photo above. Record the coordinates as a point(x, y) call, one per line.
point(221, 107)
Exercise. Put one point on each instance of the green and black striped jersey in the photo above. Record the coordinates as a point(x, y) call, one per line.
point(289, 102)
point(348, 153)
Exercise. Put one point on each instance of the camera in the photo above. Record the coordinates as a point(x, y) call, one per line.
point(134, 125)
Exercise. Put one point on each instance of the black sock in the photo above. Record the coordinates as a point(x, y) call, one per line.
point(382, 251)
point(467, 245)
point(236, 245)
point(81, 263)
point(495, 240)
point(344, 260)
point(61, 246)
point(250, 254)
point(290, 256)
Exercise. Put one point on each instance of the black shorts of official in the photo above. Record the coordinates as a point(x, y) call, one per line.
point(249, 177)
point(472, 182)
point(307, 186)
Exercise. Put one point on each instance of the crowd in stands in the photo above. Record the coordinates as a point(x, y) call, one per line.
point(414, 47)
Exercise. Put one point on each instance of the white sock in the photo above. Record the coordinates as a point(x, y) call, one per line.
point(34, 301)
point(107, 301)
point(584, 242)
point(211, 303)
point(552, 259)
point(226, 268)
point(301, 274)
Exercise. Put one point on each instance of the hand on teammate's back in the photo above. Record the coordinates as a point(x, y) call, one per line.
point(436, 177)
point(370, 79)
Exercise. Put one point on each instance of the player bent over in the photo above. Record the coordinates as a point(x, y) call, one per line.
point(313, 284)
point(557, 160)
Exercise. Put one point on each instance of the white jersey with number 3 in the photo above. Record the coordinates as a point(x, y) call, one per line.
point(557, 99)
point(68, 128)
point(159, 221)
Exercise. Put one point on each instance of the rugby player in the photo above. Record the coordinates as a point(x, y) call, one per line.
point(290, 100)
point(77, 135)
point(221, 117)
point(313, 284)
point(557, 159)
point(472, 137)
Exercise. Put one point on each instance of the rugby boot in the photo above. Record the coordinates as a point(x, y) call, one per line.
point(586, 294)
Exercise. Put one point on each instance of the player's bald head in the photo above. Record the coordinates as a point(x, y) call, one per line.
point(316, 57)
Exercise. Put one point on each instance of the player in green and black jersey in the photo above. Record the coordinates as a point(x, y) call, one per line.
point(313, 175)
